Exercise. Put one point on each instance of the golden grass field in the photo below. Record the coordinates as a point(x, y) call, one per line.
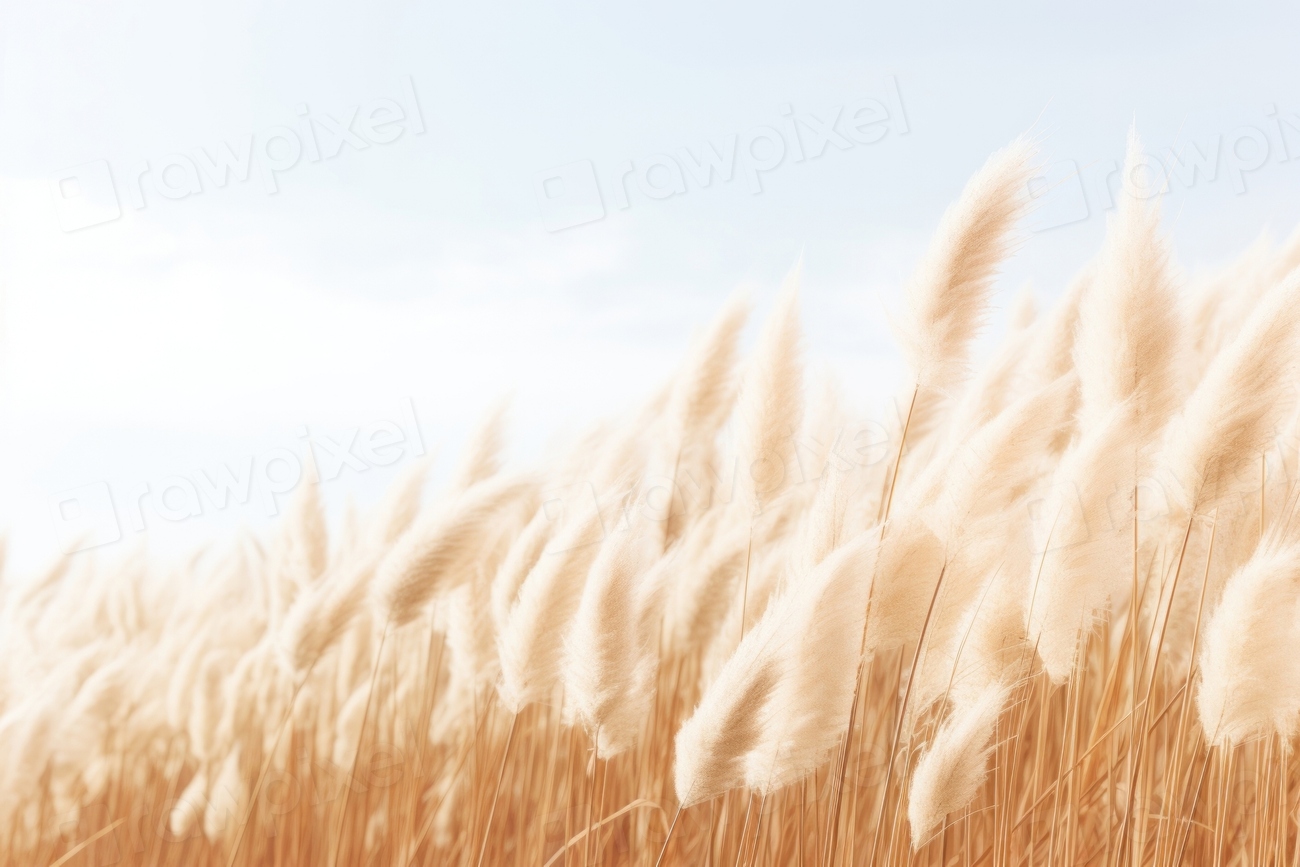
point(1046, 615)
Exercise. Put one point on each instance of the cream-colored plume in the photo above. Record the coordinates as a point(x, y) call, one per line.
point(951, 772)
point(1250, 673)
point(947, 296)
point(435, 552)
point(1246, 393)
point(770, 404)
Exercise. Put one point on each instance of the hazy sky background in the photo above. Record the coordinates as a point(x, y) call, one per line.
point(216, 326)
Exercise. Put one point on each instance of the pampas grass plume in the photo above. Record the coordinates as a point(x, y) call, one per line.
point(954, 767)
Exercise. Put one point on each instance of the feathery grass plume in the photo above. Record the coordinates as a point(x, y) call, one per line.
point(974, 514)
point(227, 800)
point(1225, 301)
point(205, 712)
point(994, 385)
point(1220, 302)
point(711, 549)
point(991, 388)
point(525, 551)
point(1128, 344)
point(531, 645)
point(299, 551)
point(400, 504)
point(32, 599)
point(951, 772)
point(1024, 309)
point(1050, 353)
point(821, 528)
point(87, 723)
point(823, 427)
point(319, 618)
point(351, 534)
point(711, 747)
point(1127, 353)
point(1230, 418)
point(1250, 673)
point(947, 295)
point(1078, 545)
point(981, 426)
point(307, 539)
point(606, 666)
point(709, 589)
point(190, 654)
point(701, 399)
point(770, 404)
point(471, 634)
point(813, 511)
point(482, 457)
point(989, 644)
point(433, 553)
point(189, 807)
point(813, 633)
point(911, 560)
point(620, 464)
point(998, 462)
point(28, 731)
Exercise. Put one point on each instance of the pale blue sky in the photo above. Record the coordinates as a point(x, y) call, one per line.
point(208, 327)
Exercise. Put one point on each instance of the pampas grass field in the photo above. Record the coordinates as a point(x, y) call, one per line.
point(1049, 617)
